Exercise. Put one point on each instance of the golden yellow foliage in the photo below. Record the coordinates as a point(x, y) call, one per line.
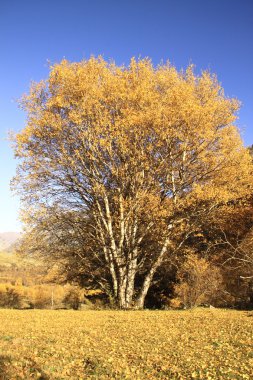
point(43, 296)
point(119, 163)
point(199, 282)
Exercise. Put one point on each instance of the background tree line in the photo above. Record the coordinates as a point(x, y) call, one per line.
point(26, 284)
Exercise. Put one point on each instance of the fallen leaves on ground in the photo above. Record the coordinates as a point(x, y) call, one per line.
point(65, 344)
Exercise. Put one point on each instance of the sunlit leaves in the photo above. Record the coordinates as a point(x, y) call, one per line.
point(131, 157)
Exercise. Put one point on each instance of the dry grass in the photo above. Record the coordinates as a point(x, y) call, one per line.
point(198, 344)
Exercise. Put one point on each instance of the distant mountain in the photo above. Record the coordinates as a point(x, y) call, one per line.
point(7, 239)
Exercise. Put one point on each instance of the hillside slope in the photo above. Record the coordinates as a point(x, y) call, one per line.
point(7, 239)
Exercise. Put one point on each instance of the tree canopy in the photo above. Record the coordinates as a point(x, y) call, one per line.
point(119, 166)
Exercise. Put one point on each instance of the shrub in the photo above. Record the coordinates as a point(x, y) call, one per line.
point(73, 298)
point(199, 282)
point(11, 297)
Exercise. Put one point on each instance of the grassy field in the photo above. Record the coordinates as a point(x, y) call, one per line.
point(198, 344)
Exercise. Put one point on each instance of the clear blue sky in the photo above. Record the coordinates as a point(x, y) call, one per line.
point(214, 34)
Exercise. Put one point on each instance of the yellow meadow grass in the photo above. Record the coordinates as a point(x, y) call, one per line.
point(65, 344)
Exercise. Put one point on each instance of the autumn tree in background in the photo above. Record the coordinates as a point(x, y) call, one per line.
point(233, 250)
point(118, 165)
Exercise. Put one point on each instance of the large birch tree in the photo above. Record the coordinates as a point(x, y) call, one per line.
point(117, 165)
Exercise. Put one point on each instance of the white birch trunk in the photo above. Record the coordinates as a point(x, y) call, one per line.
point(139, 303)
point(130, 282)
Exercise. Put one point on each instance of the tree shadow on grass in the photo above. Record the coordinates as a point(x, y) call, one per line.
point(32, 368)
point(4, 361)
